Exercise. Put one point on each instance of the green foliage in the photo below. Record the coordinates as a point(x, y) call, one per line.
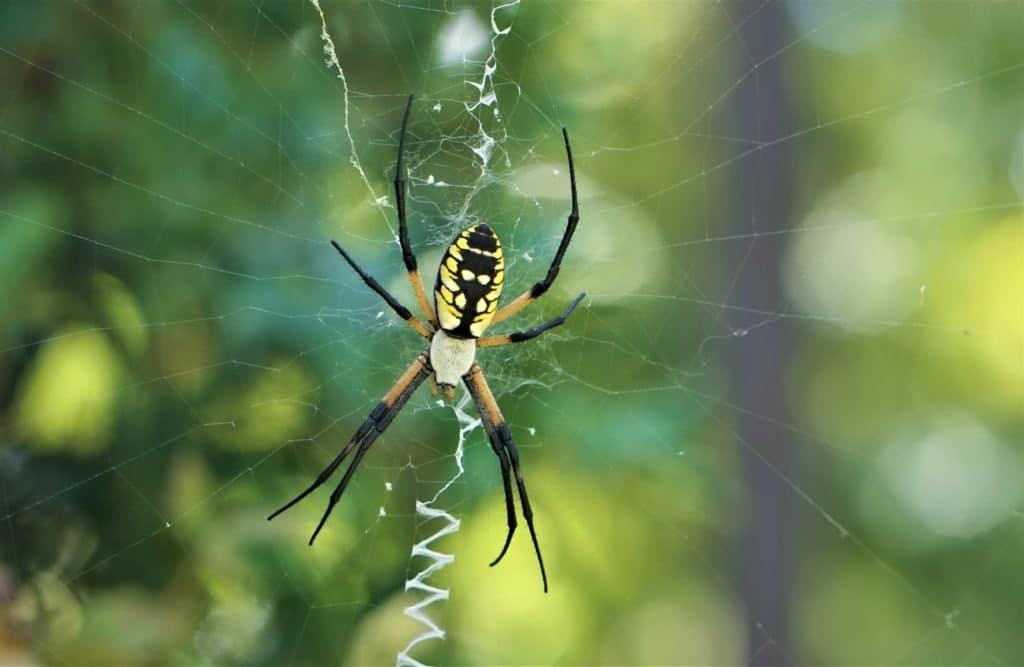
point(181, 351)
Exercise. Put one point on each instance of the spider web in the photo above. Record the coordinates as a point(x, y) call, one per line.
point(184, 351)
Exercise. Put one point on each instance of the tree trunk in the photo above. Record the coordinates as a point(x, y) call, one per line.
point(761, 204)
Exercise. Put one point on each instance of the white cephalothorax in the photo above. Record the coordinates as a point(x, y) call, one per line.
point(451, 358)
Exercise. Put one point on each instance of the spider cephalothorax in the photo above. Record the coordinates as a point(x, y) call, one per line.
point(469, 282)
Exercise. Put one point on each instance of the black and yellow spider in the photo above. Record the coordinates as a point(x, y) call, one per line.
point(466, 292)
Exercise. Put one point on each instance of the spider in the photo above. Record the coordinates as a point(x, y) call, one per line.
point(469, 282)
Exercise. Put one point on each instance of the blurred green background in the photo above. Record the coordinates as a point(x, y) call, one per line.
point(784, 427)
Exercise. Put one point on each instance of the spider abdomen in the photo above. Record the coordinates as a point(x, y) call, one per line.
point(469, 282)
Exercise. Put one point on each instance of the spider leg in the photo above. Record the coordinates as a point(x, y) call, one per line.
point(399, 309)
point(403, 228)
point(380, 418)
point(505, 447)
point(520, 336)
point(506, 466)
point(539, 288)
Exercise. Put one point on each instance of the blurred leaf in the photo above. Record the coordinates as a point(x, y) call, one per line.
point(272, 407)
point(979, 292)
point(122, 312)
point(49, 607)
point(66, 402)
point(29, 218)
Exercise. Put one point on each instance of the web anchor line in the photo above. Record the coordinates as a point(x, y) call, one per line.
point(437, 560)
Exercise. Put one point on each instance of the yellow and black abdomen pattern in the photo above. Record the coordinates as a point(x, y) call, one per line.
point(469, 282)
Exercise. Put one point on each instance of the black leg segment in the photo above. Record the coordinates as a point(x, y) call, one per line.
point(520, 336)
point(570, 227)
point(508, 455)
point(403, 228)
point(380, 418)
point(399, 309)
